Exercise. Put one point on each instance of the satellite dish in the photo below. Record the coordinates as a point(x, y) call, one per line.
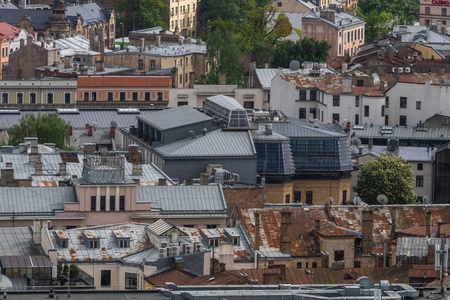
point(356, 141)
point(357, 200)
point(294, 65)
point(382, 199)
point(426, 199)
point(113, 124)
point(331, 200)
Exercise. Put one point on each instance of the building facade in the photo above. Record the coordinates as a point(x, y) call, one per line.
point(432, 11)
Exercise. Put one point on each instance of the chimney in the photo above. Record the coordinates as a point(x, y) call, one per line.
point(38, 168)
point(367, 231)
point(142, 42)
point(62, 168)
point(329, 15)
point(90, 130)
point(344, 67)
point(189, 181)
point(32, 140)
point(158, 41)
point(136, 169)
point(382, 86)
point(285, 239)
point(439, 26)
point(441, 230)
point(91, 39)
point(360, 149)
point(89, 147)
point(134, 156)
point(394, 223)
point(428, 224)
point(112, 132)
point(23, 147)
point(29, 39)
point(23, 4)
point(100, 66)
point(257, 229)
point(222, 78)
point(37, 231)
point(370, 145)
point(68, 62)
point(7, 176)
point(346, 85)
point(204, 179)
point(70, 130)
point(327, 78)
point(22, 43)
point(396, 20)
point(162, 181)
point(34, 157)
point(268, 130)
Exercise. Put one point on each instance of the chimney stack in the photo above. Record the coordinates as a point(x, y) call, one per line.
point(38, 168)
point(158, 41)
point(91, 39)
point(37, 231)
point(62, 168)
point(162, 181)
point(428, 224)
point(136, 168)
point(35, 156)
point(285, 240)
point(204, 179)
point(327, 78)
point(367, 231)
point(257, 229)
point(189, 181)
point(441, 230)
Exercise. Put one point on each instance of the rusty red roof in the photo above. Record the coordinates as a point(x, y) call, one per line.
point(420, 78)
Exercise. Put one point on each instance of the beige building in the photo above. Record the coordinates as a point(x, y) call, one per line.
point(183, 16)
point(42, 93)
point(432, 11)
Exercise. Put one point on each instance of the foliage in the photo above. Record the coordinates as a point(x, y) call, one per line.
point(261, 53)
point(48, 128)
point(59, 268)
point(65, 269)
point(143, 13)
point(387, 175)
point(304, 50)
point(74, 271)
point(378, 22)
point(407, 10)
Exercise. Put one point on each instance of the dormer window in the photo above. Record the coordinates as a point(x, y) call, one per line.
point(93, 244)
point(62, 239)
point(91, 239)
point(122, 238)
point(214, 242)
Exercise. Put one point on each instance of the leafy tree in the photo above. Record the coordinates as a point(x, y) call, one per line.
point(387, 175)
point(48, 128)
point(65, 269)
point(212, 10)
point(73, 270)
point(143, 13)
point(304, 50)
point(378, 22)
point(407, 10)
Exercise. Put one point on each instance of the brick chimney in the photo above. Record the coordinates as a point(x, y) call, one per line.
point(285, 234)
point(189, 181)
point(367, 231)
point(428, 228)
point(35, 156)
point(329, 15)
point(62, 168)
point(136, 169)
point(257, 229)
point(7, 176)
point(204, 179)
point(38, 168)
point(441, 230)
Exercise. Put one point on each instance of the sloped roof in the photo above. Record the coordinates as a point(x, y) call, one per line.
point(91, 13)
point(174, 117)
point(38, 17)
point(212, 144)
point(295, 130)
point(226, 102)
point(9, 30)
point(160, 227)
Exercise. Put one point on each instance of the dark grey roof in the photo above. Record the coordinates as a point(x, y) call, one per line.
point(160, 72)
point(90, 12)
point(189, 199)
point(411, 154)
point(38, 17)
point(174, 117)
point(17, 241)
point(294, 129)
point(441, 133)
point(212, 144)
point(34, 200)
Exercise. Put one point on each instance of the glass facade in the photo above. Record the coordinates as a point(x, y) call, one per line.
point(274, 158)
point(442, 177)
point(226, 110)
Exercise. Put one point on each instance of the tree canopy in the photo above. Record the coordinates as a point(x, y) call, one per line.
point(48, 128)
point(304, 50)
point(407, 10)
point(142, 13)
point(388, 175)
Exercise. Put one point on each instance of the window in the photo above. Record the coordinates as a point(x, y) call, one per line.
point(386, 104)
point(356, 101)
point(211, 226)
point(314, 265)
point(124, 244)
point(287, 198)
point(339, 255)
point(214, 243)
point(313, 95)
point(67, 97)
point(344, 197)
point(335, 118)
point(279, 4)
point(366, 110)
point(336, 100)
point(444, 12)
point(359, 82)
point(357, 119)
point(309, 197)
point(418, 105)
point(427, 10)
point(122, 96)
point(419, 181)
point(5, 98)
point(302, 113)
point(32, 98)
point(147, 96)
point(106, 278)
point(357, 264)
point(386, 120)
point(302, 95)
point(306, 265)
point(313, 111)
point(402, 120)
point(110, 96)
point(249, 104)
point(382, 110)
point(297, 197)
point(236, 241)
point(93, 202)
point(182, 103)
point(102, 202)
point(403, 102)
point(135, 96)
point(159, 96)
point(86, 96)
point(94, 96)
point(93, 244)
point(140, 64)
point(49, 98)
point(19, 98)
point(152, 64)
point(419, 167)
point(299, 265)
point(112, 203)
point(122, 203)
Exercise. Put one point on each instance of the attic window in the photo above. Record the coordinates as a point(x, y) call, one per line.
point(214, 242)
point(93, 244)
point(124, 243)
point(63, 243)
point(350, 223)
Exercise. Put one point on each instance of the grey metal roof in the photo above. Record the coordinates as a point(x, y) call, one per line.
point(38, 17)
point(17, 241)
point(174, 117)
point(410, 154)
point(342, 19)
point(294, 130)
point(226, 102)
point(90, 12)
point(103, 118)
point(442, 133)
point(411, 33)
point(214, 143)
point(260, 135)
point(416, 247)
point(33, 200)
point(183, 199)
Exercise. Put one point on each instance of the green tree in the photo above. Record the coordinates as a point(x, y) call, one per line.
point(142, 13)
point(48, 128)
point(378, 22)
point(386, 175)
point(305, 50)
point(65, 269)
point(74, 271)
point(407, 10)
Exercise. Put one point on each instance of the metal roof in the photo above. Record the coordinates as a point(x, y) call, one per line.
point(17, 241)
point(159, 227)
point(33, 200)
point(183, 199)
point(342, 19)
point(296, 130)
point(166, 49)
point(174, 117)
point(405, 133)
point(34, 261)
point(226, 102)
point(215, 143)
point(416, 154)
point(90, 12)
point(416, 247)
point(260, 135)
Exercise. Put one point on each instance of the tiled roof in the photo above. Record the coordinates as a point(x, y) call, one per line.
point(174, 117)
point(265, 76)
point(216, 143)
point(421, 78)
point(9, 30)
point(420, 231)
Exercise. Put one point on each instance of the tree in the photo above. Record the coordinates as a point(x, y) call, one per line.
point(74, 271)
point(388, 175)
point(377, 22)
point(305, 50)
point(48, 128)
point(140, 14)
point(407, 10)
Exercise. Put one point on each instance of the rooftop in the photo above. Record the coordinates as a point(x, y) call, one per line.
point(342, 19)
point(166, 49)
point(410, 154)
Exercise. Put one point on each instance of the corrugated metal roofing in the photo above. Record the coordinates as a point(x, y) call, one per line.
point(183, 199)
point(159, 227)
point(419, 154)
point(416, 247)
point(174, 117)
point(408, 133)
point(226, 102)
point(17, 241)
point(260, 135)
point(214, 143)
point(293, 130)
point(35, 200)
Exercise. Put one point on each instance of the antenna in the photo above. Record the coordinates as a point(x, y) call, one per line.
point(382, 199)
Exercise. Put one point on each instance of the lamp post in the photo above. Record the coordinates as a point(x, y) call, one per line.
point(68, 284)
point(123, 36)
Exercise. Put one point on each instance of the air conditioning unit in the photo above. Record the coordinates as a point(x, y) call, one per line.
point(188, 249)
point(394, 70)
point(164, 245)
point(400, 70)
point(175, 250)
point(407, 70)
point(236, 177)
point(197, 247)
point(162, 252)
